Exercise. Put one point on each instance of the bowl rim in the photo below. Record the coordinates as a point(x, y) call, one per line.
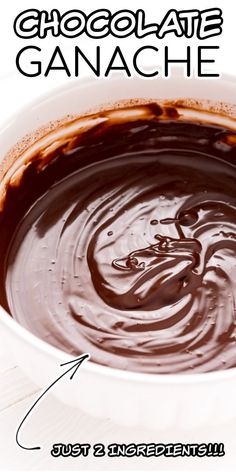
point(58, 354)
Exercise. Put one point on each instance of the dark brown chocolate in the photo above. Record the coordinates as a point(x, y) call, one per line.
point(124, 245)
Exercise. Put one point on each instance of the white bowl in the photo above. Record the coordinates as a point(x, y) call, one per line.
point(156, 401)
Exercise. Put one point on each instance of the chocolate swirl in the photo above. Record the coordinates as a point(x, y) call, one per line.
point(125, 246)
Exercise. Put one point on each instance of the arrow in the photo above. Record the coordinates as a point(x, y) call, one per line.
point(75, 364)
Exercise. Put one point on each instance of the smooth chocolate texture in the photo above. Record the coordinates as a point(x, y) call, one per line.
point(124, 245)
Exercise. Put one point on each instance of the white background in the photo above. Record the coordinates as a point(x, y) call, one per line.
point(54, 422)
point(16, 90)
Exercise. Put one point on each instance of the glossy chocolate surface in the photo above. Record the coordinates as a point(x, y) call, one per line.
point(124, 245)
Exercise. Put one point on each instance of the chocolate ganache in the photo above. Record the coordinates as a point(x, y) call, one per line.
point(123, 243)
